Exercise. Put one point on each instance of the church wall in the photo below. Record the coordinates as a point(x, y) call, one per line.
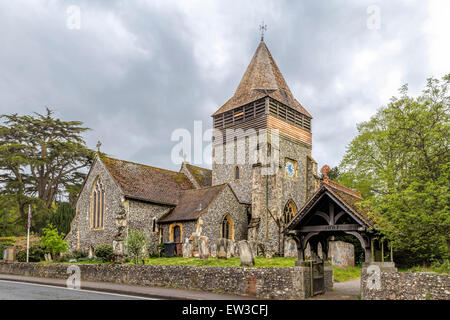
point(225, 203)
point(80, 232)
point(140, 217)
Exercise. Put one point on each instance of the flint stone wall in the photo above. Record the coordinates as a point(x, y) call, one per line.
point(406, 286)
point(268, 283)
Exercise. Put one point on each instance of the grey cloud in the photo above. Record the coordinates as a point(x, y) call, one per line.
point(133, 74)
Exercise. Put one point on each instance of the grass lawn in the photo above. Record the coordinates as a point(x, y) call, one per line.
point(260, 262)
point(344, 274)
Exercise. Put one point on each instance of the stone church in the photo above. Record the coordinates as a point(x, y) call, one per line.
point(251, 195)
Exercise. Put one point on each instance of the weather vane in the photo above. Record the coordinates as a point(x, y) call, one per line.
point(262, 28)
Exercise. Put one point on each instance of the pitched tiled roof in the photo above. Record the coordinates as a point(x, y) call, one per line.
point(347, 197)
point(141, 182)
point(202, 175)
point(192, 204)
point(262, 78)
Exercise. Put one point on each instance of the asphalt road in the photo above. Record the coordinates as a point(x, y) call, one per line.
point(11, 290)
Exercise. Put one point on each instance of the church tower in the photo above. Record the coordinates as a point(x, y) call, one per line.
point(262, 147)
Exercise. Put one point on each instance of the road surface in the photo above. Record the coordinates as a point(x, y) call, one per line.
point(12, 290)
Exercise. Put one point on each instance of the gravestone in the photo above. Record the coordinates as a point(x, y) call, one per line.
point(221, 248)
point(213, 250)
point(245, 254)
point(253, 245)
point(187, 248)
point(290, 248)
point(203, 247)
point(230, 248)
point(342, 253)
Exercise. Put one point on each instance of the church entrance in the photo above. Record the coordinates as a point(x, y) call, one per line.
point(331, 212)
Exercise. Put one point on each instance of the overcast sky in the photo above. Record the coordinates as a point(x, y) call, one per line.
point(134, 71)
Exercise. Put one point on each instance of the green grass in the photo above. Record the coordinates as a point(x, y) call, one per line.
point(344, 274)
point(438, 269)
point(260, 262)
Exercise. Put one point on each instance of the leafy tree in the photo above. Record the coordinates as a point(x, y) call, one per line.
point(400, 161)
point(41, 156)
point(52, 241)
point(136, 245)
point(63, 217)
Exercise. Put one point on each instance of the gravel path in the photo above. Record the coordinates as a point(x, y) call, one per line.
point(347, 290)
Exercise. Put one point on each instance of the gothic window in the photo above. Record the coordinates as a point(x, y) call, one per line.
point(290, 210)
point(236, 173)
point(154, 226)
point(97, 205)
point(227, 230)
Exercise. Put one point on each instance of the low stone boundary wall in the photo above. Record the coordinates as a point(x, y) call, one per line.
point(392, 285)
point(268, 283)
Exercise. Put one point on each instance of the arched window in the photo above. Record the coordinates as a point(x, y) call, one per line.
point(236, 173)
point(290, 210)
point(154, 226)
point(97, 205)
point(227, 228)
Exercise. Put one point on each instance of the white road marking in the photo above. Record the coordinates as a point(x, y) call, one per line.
point(84, 290)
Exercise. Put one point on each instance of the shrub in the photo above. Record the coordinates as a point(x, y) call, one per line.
point(104, 252)
point(36, 254)
point(53, 242)
point(79, 254)
point(136, 245)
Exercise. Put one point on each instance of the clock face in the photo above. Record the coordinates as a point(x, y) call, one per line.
point(290, 169)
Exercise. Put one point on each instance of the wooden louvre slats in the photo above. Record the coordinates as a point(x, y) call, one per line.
point(289, 114)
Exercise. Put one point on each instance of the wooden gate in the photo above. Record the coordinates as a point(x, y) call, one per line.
point(317, 277)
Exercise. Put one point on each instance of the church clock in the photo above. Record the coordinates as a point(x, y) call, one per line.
point(290, 168)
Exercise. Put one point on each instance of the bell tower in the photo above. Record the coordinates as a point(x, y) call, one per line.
point(262, 147)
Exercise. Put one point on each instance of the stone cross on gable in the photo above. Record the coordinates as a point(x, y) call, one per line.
point(99, 144)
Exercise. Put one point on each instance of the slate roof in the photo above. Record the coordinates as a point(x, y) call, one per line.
point(192, 204)
point(261, 79)
point(146, 183)
point(202, 175)
point(347, 197)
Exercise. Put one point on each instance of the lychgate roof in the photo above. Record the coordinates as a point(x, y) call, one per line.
point(262, 78)
point(346, 197)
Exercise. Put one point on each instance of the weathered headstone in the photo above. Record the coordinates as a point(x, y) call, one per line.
point(253, 247)
point(213, 250)
point(236, 250)
point(230, 248)
point(187, 248)
point(221, 248)
point(245, 254)
point(203, 247)
point(290, 248)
